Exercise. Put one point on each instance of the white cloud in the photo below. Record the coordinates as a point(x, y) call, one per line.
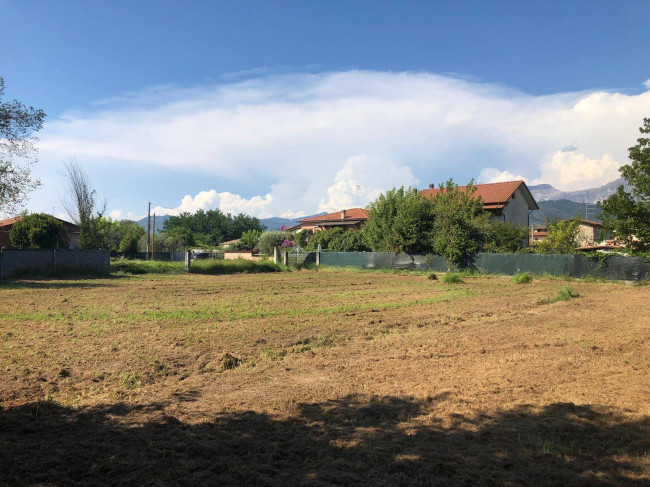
point(493, 175)
point(116, 214)
point(362, 179)
point(309, 139)
point(568, 169)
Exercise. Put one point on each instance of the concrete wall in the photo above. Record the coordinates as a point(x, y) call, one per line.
point(236, 254)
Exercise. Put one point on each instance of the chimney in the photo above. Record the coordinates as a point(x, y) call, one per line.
point(342, 214)
point(431, 185)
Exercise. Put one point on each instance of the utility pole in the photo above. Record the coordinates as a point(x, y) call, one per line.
point(153, 237)
point(148, 228)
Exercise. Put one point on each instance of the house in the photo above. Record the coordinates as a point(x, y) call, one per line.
point(5, 228)
point(352, 218)
point(510, 201)
point(587, 236)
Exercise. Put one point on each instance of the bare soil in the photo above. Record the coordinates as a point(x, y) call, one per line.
point(323, 378)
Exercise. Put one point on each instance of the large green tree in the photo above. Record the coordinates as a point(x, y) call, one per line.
point(627, 215)
point(379, 231)
point(458, 222)
point(18, 151)
point(209, 228)
point(39, 231)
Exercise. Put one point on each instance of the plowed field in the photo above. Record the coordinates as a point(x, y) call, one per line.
point(323, 377)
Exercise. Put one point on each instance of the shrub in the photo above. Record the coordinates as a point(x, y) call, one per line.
point(39, 231)
point(522, 278)
point(268, 240)
point(452, 278)
point(432, 276)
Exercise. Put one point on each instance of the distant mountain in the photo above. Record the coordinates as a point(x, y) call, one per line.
point(562, 210)
point(273, 223)
point(546, 192)
point(160, 220)
point(276, 223)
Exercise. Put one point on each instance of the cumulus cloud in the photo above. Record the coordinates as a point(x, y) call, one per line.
point(493, 175)
point(224, 201)
point(309, 139)
point(574, 170)
point(362, 179)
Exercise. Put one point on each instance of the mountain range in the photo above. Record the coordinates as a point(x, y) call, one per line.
point(546, 192)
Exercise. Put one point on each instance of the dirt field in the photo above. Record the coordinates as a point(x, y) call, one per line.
point(323, 377)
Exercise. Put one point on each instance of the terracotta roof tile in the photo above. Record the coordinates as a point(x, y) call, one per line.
point(10, 221)
point(350, 214)
point(490, 193)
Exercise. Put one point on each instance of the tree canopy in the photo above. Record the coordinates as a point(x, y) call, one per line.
point(18, 151)
point(209, 228)
point(627, 215)
point(450, 223)
point(39, 231)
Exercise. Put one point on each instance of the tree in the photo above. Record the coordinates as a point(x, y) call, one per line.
point(379, 230)
point(210, 228)
point(17, 151)
point(503, 237)
point(81, 204)
point(562, 237)
point(39, 231)
point(627, 215)
point(130, 234)
point(248, 241)
point(268, 240)
point(459, 221)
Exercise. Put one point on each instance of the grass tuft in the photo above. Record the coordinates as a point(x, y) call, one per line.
point(522, 278)
point(452, 278)
point(564, 294)
point(432, 276)
point(130, 380)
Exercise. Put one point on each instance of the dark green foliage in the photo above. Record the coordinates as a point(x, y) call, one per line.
point(451, 223)
point(627, 215)
point(379, 230)
point(562, 237)
point(459, 222)
point(302, 238)
point(503, 237)
point(130, 234)
point(17, 151)
point(338, 240)
point(248, 241)
point(39, 231)
point(268, 240)
point(235, 266)
point(209, 228)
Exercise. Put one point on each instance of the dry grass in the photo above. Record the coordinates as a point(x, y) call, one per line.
point(323, 377)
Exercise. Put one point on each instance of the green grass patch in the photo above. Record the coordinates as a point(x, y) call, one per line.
point(235, 266)
point(127, 267)
point(522, 278)
point(452, 278)
point(564, 294)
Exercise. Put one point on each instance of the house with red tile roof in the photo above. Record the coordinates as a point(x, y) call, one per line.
point(5, 228)
point(509, 201)
point(352, 218)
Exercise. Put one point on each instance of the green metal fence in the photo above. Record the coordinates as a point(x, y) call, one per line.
point(615, 267)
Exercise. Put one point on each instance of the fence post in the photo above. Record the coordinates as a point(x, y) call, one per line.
point(285, 257)
point(187, 261)
point(318, 255)
point(276, 255)
point(2, 250)
point(54, 259)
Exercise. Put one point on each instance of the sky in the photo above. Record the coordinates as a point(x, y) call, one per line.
point(288, 108)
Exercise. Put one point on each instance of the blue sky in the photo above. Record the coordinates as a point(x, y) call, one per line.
point(283, 108)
